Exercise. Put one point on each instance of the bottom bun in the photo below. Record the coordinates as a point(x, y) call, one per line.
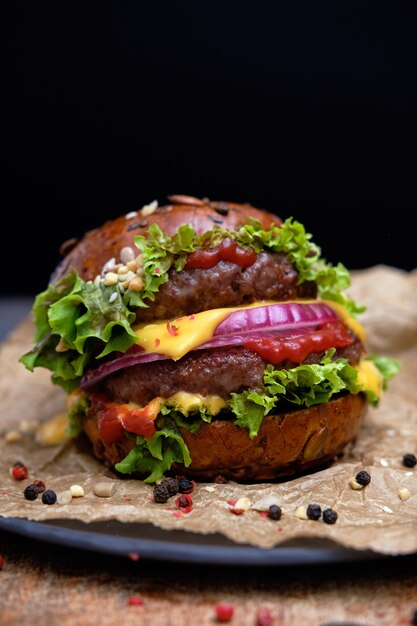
point(287, 444)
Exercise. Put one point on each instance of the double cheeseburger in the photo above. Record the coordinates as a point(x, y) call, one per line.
point(206, 338)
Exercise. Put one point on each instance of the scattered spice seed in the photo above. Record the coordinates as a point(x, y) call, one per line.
point(185, 485)
point(184, 503)
point(404, 494)
point(363, 478)
point(76, 491)
point(104, 489)
point(40, 485)
point(329, 516)
point(135, 601)
point(13, 436)
point(224, 611)
point(353, 484)
point(274, 512)
point(313, 511)
point(161, 493)
point(49, 497)
point(19, 471)
point(172, 485)
point(64, 497)
point(409, 460)
point(31, 492)
point(264, 617)
point(301, 512)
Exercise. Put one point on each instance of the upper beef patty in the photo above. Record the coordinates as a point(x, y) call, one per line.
point(270, 277)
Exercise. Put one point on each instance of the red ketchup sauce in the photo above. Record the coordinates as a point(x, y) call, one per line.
point(331, 335)
point(228, 250)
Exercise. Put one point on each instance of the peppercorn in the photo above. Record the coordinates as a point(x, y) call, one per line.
point(329, 516)
point(185, 485)
point(19, 471)
point(363, 478)
point(31, 492)
point(224, 611)
point(40, 485)
point(171, 485)
point(264, 617)
point(313, 511)
point(409, 460)
point(161, 493)
point(49, 497)
point(274, 512)
point(413, 618)
point(184, 503)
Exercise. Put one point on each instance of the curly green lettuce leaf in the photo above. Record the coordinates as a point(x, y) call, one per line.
point(153, 457)
point(77, 322)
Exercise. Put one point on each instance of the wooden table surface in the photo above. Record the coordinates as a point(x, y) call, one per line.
point(42, 583)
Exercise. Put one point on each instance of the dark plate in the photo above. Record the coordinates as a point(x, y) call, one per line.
point(150, 542)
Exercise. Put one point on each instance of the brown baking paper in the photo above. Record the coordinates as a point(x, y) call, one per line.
point(374, 518)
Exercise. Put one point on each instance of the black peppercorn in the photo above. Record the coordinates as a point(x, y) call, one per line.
point(409, 460)
point(313, 511)
point(31, 492)
point(329, 516)
point(185, 485)
point(49, 497)
point(363, 478)
point(274, 512)
point(161, 493)
point(172, 485)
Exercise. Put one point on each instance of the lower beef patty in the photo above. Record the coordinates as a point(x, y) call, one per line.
point(219, 371)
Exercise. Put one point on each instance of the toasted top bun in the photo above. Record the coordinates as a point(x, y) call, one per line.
point(89, 255)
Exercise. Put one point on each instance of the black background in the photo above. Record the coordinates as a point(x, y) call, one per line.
point(303, 108)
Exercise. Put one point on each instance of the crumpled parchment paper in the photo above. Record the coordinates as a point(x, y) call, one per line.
point(374, 518)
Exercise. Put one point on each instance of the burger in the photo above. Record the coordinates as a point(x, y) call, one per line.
point(206, 339)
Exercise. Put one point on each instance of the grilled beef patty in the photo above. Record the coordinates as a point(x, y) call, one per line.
point(218, 371)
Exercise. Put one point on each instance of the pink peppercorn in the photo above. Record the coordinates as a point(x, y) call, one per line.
point(264, 617)
point(224, 611)
point(135, 601)
point(19, 471)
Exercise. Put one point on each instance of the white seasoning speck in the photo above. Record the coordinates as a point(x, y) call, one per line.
point(131, 214)
point(209, 488)
point(76, 491)
point(127, 254)
point(404, 494)
point(104, 489)
point(13, 436)
point(301, 512)
point(353, 483)
point(111, 279)
point(243, 504)
point(384, 463)
point(150, 208)
point(113, 297)
point(64, 497)
point(387, 509)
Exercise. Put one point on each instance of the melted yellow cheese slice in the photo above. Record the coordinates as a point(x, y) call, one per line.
point(175, 338)
point(370, 377)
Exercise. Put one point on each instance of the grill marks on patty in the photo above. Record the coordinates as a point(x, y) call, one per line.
point(218, 371)
point(271, 277)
